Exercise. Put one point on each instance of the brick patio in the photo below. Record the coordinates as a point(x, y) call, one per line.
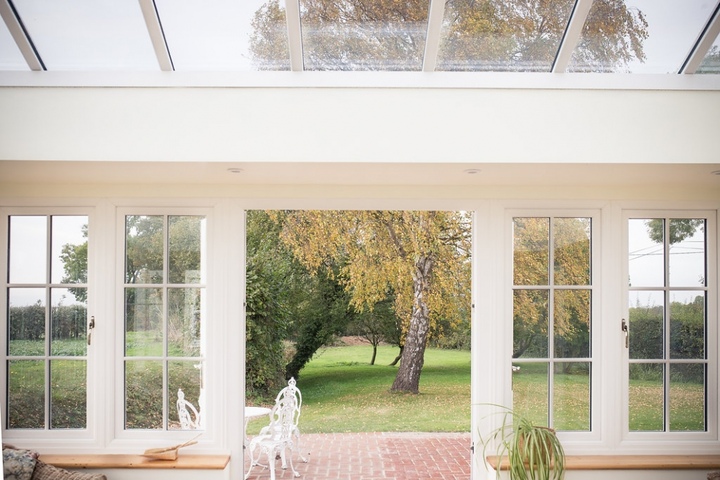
point(376, 456)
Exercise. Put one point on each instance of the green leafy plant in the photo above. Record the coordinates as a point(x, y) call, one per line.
point(533, 452)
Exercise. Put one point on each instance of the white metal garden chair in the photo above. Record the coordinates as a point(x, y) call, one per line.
point(188, 414)
point(282, 434)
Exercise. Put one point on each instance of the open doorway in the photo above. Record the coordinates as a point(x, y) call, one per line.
point(370, 312)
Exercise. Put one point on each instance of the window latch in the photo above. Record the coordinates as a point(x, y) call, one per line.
point(625, 330)
point(91, 326)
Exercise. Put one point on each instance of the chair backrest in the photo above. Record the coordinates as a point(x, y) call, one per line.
point(189, 420)
point(286, 411)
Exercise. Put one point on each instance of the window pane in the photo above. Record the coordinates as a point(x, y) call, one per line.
point(88, 34)
point(711, 62)
point(144, 241)
point(28, 249)
point(268, 41)
point(184, 321)
point(646, 257)
point(143, 322)
point(530, 323)
point(571, 250)
point(188, 377)
point(530, 392)
point(646, 324)
point(571, 401)
point(68, 380)
point(68, 322)
point(657, 35)
point(531, 251)
point(687, 252)
point(213, 39)
point(520, 36)
point(646, 396)
point(572, 323)
point(26, 395)
point(370, 36)
point(687, 397)
point(186, 249)
point(143, 395)
point(687, 325)
point(26, 321)
point(69, 249)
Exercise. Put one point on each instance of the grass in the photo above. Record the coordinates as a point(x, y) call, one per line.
point(342, 392)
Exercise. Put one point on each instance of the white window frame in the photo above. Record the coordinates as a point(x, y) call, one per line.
point(123, 438)
point(707, 441)
point(75, 436)
point(553, 211)
point(105, 263)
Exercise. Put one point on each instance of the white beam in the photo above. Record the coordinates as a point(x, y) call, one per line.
point(157, 36)
point(703, 45)
point(572, 35)
point(432, 41)
point(292, 12)
point(20, 35)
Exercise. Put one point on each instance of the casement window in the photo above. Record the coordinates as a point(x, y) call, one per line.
point(164, 313)
point(47, 335)
point(670, 378)
point(552, 309)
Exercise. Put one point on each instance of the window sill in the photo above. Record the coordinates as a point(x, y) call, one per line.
point(632, 462)
point(106, 461)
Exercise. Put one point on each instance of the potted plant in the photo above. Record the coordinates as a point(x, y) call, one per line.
point(533, 452)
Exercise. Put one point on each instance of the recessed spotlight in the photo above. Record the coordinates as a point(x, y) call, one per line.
point(472, 171)
point(235, 170)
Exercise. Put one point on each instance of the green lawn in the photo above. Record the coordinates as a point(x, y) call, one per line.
point(342, 392)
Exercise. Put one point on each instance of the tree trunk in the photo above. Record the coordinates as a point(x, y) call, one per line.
point(372, 360)
point(413, 355)
point(399, 356)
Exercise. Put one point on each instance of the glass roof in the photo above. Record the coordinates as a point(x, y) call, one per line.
point(578, 36)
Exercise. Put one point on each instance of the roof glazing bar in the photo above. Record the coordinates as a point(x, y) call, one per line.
point(572, 35)
point(21, 36)
point(292, 13)
point(703, 45)
point(432, 41)
point(157, 35)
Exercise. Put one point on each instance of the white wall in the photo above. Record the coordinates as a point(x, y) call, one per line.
point(358, 125)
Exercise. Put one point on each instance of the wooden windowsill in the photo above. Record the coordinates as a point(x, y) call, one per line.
point(632, 462)
point(96, 461)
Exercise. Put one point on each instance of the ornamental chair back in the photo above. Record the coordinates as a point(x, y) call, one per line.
point(281, 434)
point(187, 413)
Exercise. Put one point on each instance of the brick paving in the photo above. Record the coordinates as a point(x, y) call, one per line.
point(378, 456)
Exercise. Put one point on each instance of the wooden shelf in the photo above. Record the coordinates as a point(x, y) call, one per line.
point(105, 461)
point(632, 462)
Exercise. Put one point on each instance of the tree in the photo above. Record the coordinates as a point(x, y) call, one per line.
point(376, 326)
point(74, 259)
point(490, 34)
point(271, 285)
point(421, 256)
point(324, 314)
point(284, 304)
